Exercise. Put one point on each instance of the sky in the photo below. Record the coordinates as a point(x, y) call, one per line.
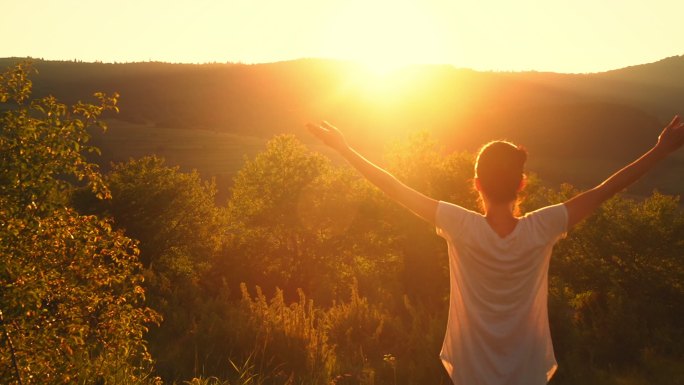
point(572, 36)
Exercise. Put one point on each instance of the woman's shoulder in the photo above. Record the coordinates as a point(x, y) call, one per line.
point(551, 220)
point(453, 217)
point(550, 210)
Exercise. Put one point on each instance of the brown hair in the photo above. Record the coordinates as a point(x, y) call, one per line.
point(499, 169)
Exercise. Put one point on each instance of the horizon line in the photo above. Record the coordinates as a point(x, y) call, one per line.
point(339, 60)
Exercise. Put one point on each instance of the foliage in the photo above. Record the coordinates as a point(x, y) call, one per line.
point(290, 336)
point(284, 209)
point(624, 285)
point(615, 282)
point(357, 287)
point(295, 222)
point(181, 230)
point(43, 142)
point(70, 287)
point(358, 331)
point(165, 209)
point(71, 300)
point(421, 164)
point(206, 381)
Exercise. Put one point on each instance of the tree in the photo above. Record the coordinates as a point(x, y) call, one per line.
point(269, 242)
point(622, 270)
point(419, 162)
point(166, 210)
point(70, 287)
point(180, 229)
point(297, 222)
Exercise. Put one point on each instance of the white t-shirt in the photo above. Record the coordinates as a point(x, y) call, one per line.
point(498, 327)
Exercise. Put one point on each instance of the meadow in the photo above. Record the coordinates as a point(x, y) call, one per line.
point(213, 154)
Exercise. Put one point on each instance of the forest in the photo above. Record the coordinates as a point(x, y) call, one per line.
point(136, 273)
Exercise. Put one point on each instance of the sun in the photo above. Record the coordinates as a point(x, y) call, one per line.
point(385, 35)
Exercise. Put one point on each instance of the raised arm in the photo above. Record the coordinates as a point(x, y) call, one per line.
point(413, 200)
point(583, 204)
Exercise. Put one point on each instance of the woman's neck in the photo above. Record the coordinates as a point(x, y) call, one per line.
point(499, 211)
point(501, 218)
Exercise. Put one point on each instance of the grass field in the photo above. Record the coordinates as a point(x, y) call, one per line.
point(213, 154)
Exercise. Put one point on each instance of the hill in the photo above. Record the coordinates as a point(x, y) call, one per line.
point(577, 128)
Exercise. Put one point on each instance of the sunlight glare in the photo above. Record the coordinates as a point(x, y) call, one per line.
point(385, 36)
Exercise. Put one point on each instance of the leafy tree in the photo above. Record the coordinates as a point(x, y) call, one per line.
point(420, 163)
point(269, 243)
point(169, 211)
point(43, 144)
point(180, 229)
point(71, 300)
point(297, 222)
point(622, 272)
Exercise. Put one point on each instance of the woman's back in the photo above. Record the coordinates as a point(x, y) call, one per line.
point(498, 330)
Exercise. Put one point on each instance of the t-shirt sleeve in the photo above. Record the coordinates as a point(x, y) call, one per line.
point(449, 219)
point(554, 221)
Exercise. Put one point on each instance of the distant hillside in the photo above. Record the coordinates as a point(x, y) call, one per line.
point(570, 123)
point(655, 88)
point(668, 72)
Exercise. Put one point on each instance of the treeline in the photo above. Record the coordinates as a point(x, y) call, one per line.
point(307, 275)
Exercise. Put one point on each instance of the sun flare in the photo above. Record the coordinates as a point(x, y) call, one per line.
point(385, 36)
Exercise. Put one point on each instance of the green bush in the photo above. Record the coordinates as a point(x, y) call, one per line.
point(71, 302)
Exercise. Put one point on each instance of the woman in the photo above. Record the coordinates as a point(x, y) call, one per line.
point(498, 329)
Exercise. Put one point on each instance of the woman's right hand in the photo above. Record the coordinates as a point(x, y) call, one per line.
point(672, 137)
point(329, 134)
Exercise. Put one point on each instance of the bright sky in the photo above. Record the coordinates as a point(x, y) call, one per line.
point(501, 35)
